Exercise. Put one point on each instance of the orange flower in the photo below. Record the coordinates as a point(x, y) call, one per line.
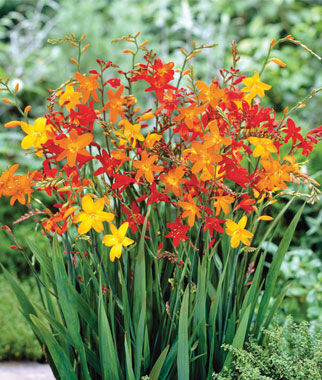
point(274, 175)
point(115, 104)
point(173, 179)
point(237, 232)
point(191, 210)
point(146, 166)
point(151, 139)
point(5, 177)
point(214, 139)
point(203, 159)
point(73, 145)
point(121, 156)
point(190, 115)
point(88, 86)
point(222, 203)
point(69, 97)
point(16, 186)
point(209, 94)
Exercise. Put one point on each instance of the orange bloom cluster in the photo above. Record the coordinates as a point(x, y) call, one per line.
point(210, 152)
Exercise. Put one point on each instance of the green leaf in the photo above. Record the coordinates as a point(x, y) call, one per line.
point(169, 361)
point(68, 305)
point(139, 278)
point(183, 342)
point(107, 351)
point(44, 260)
point(128, 360)
point(155, 372)
point(239, 337)
point(62, 363)
point(139, 343)
point(200, 312)
point(274, 270)
point(213, 317)
point(26, 306)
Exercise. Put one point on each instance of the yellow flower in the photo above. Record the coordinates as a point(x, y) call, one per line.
point(70, 98)
point(263, 147)
point(237, 232)
point(117, 240)
point(92, 215)
point(131, 132)
point(255, 86)
point(36, 134)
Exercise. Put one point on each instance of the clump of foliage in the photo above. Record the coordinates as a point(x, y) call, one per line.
point(17, 341)
point(290, 352)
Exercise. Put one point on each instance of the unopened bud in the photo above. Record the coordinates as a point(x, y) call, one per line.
point(190, 56)
point(144, 43)
point(85, 48)
point(126, 51)
point(278, 62)
point(12, 124)
point(6, 100)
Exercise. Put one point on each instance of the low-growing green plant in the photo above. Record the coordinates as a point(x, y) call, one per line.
point(291, 352)
point(16, 340)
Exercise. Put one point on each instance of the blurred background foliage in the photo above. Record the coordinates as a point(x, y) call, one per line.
point(27, 58)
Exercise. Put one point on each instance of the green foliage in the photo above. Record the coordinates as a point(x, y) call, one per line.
point(17, 342)
point(163, 333)
point(291, 352)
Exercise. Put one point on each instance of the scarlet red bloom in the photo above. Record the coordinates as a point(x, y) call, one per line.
point(292, 132)
point(178, 231)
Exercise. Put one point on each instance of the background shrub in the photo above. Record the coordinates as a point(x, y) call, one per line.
point(291, 352)
point(17, 339)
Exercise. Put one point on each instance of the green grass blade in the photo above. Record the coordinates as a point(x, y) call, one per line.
point(274, 270)
point(155, 372)
point(213, 317)
point(139, 344)
point(128, 360)
point(68, 305)
point(239, 337)
point(60, 359)
point(107, 350)
point(183, 342)
point(26, 306)
point(139, 278)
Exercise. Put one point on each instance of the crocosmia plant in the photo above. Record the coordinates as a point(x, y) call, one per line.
point(153, 193)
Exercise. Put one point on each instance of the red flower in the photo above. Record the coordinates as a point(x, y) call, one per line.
point(292, 132)
point(213, 223)
point(86, 115)
point(178, 231)
point(122, 181)
point(246, 204)
point(134, 218)
point(114, 82)
point(109, 163)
